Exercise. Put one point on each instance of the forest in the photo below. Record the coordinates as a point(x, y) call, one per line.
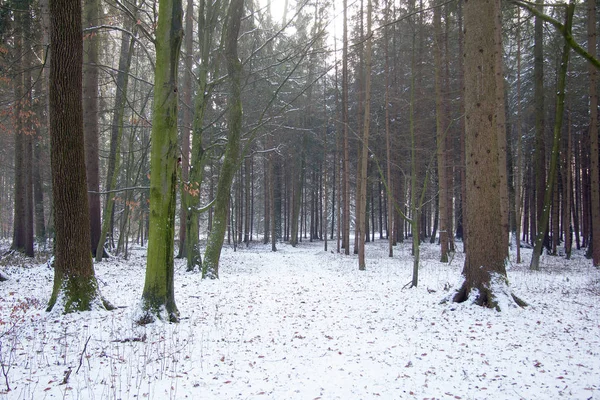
point(177, 141)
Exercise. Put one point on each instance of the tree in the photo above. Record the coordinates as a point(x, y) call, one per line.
point(91, 11)
point(114, 158)
point(553, 172)
point(364, 155)
point(158, 297)
point(540, 142)
point(187, 120)
point(484, 267)
point(23, 202)
point(346, 154)
point(593, 132)
point(212, 254)
point(74, 279)
point(208, 15)
point(442, 131)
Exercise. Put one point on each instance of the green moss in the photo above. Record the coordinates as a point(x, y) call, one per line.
point(78, 293)
point(157, 307)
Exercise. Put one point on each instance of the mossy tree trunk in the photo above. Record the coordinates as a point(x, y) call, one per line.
point(75, 287)
point(210, 267)
point(158, 297)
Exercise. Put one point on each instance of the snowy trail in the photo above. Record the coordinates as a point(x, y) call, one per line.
point(304, 324)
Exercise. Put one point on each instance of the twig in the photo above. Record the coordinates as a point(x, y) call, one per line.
point(82, 353)
point(66, 378)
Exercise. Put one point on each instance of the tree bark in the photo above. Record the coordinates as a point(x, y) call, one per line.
point(346, 156)
point(540, 141)
point(114, 162)
point(91, 13)
point(74, 280)
point(501, 126)
point(553, 172)
point(441, 128)
point(188, 42)
point(210, 267)
point(361, 223)
point(158, 297)
point(484, 267)
point(594, 147)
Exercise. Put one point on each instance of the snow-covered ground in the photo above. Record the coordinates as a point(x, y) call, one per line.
point(302, 323)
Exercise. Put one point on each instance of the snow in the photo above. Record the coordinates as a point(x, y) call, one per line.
point(302, 323)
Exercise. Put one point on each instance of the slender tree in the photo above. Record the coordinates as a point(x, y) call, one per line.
point(114, 158)
point(441, 128)
point(553, 172)
point(594, 147)
point(158, 297)
point(364, 156)
point(212, 254)
point(91, 43)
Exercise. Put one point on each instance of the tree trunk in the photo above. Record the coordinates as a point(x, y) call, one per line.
point(91, 13)
point(540, 142)
point(501, 126)
point(188, 41)
point(210, 267)
point(74, 280)
point(519, 164)
point(567, 191)
point(158, 297)
point(346, 158)
point(552, 175)
point(441, 128)
point(484, 264)
point(594, 147)
point(364, 157)
point(22, 231)
point(114, 158)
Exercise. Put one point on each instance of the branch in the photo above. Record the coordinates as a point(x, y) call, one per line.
point(131, 34)
point(560, 28)
point(120, 190)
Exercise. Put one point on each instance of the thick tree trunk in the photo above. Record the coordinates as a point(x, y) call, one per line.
point(484, 268)
point(74, 280)
point(158, 297)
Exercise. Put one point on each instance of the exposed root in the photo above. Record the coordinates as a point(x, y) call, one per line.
point(496, 295)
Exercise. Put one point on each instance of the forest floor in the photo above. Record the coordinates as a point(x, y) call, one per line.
point(303, 323)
